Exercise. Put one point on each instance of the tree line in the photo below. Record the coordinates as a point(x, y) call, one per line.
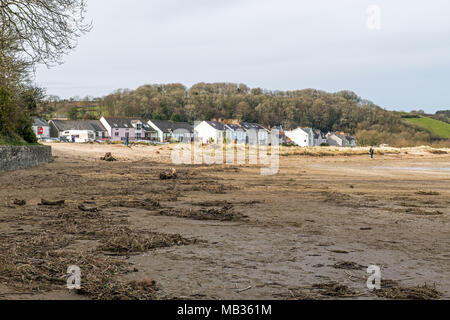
point(341, 111)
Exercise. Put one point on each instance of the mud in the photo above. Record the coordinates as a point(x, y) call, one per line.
point(305, 233)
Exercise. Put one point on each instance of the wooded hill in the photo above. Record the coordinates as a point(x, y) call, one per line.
point(341, 111)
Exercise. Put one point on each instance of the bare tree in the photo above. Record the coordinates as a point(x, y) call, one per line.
point(14, 70)
point(43, 30)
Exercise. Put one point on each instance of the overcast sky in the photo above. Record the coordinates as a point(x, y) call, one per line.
point(272, 44)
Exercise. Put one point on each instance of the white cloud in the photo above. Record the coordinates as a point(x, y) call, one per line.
point(284, 44)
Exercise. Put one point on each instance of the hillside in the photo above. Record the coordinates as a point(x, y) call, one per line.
point(436, 127)
point(339, 111)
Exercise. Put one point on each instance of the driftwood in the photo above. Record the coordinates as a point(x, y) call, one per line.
point(52, 203)
point(19, 202)
point(84, 208)
point(168, 175)
point(108, 157)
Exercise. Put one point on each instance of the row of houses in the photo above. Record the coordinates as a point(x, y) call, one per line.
point(135, 129)
point(309, 137)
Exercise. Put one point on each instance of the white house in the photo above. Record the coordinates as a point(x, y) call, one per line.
point(210, 131)
point(303, 137)
point(41, 128)
point(78, 131)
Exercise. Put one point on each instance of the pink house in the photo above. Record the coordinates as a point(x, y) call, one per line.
point(119, 128)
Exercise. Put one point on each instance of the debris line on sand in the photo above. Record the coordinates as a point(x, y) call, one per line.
point(409, 293)
point(335, 289)
point(226, 213)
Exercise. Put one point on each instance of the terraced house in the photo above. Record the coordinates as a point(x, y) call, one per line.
point(341, 139)
point(121, 128)
point(166, 131)
point(77, 131)
point(41, 128)
point(235, 133)
point(256, 134)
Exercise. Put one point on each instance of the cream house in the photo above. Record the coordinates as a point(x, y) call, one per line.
point(210, 131)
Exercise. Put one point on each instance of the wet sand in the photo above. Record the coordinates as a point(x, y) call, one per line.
point(300, 224)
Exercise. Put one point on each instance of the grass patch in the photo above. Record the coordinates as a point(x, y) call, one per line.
point(334, 151)
point(14, 141)
point(436, 127)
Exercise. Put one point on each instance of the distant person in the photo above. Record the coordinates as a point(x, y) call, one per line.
point(73, 139)
point(372, 152)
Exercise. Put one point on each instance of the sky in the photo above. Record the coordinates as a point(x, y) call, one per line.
point(394, 53)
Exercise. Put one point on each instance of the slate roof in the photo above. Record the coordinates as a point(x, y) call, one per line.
point(38, 122)
point(90, 125)
point(350, 138)
point(249, 126)
point(171, 126)
point(120, 122)
point(145, 125)
point(97, 125)
point(345, 137)
point(308, 130)
point(234, 127)
point(216, 125)
point(318, 134)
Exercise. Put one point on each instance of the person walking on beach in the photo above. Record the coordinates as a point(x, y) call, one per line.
point(372, 152)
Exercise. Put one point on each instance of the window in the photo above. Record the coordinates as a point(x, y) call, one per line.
point(116, 134)
point(138, 135)
point(138, 126)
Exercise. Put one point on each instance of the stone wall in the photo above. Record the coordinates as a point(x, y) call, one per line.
point(22, 157)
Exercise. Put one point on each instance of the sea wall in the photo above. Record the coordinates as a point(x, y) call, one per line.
point(23, 157)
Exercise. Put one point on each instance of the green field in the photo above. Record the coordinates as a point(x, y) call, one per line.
point(439, 128)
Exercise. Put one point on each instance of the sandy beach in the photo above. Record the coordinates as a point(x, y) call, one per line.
point(225, 231)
